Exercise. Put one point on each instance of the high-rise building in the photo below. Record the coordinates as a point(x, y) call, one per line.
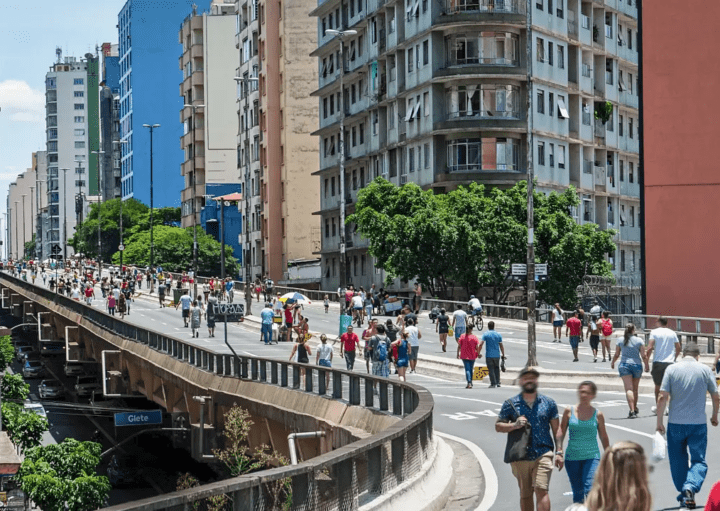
point(275, 150)
point(71, 88)
point(209, 116)
point(24, 199)
point(110, 123)
point(436, 93)
point(148, 50)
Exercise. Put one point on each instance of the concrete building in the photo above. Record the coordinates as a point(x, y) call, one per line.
point(678, 158)
point(436, 93)
point(110, 123)
point(275, 150)
point(148, 50)
point(71, 88)
point(22, 203)
point(40, 202)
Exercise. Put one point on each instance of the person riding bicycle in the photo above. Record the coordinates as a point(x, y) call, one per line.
point(357, 305)
point(475, 306)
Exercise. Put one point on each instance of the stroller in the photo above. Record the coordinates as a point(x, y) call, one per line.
point(434, 313)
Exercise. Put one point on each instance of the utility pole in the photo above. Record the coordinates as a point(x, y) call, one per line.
point(532, 352)
point(65, 216)
point(151, 127)
point(99, 203)
point(222, 243)
point(32, 215)
point(194, 196)
point(17, 252)
point(24, 224)
point(121, 208)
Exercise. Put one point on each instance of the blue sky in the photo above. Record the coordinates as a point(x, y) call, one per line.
point(29, 33)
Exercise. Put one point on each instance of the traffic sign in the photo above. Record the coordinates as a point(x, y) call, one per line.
point(518, 269)
point(144, 418)
point(541, 270)
point(480, 372)
point(55, 249)
point(234, 312)
point(121, 247)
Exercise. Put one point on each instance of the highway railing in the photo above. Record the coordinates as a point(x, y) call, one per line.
point(343, 479)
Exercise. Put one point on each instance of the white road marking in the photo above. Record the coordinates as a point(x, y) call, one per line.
point(648, 435)
point(468, 399)
point(491, 480)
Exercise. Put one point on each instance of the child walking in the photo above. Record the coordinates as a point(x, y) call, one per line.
point(326, 302)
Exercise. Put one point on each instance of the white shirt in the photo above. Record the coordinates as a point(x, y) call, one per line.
point(325, 350)
point(557, 316)
point(75, 295)
point(475, 304)
point(596, 310)
point(357, 301)
point(116, 293)
point(460, 316)
point(277, 305)
point(665, 340)
point(412, 332)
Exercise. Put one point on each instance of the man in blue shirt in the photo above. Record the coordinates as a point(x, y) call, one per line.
point(493, 348)
point(533, 473)
point(266, 315)
point(230, 287)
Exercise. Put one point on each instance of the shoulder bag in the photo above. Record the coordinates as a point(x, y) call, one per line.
point(518, 440)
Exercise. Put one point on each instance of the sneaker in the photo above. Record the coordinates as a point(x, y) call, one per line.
point(637, 412)
point(490, 387)
point(653, 409)
point(689, 499)
point(631, 415)
point(595, 359)
point(498, 385)
point(603, 359)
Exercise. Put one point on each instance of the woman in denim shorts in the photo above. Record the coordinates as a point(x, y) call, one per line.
point(631, 352)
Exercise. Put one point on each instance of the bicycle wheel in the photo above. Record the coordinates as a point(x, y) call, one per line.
point(479, 323)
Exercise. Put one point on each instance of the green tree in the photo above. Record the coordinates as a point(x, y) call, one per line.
point(30, 248)
point(173, 250)
point(25, 429)
point(7, 352)
point(57, 475)
point(14, 387)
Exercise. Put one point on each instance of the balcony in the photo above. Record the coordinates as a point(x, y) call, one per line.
point(599, 129)
point(587, 167)
point(197, 78)
point(629, 99)
point(587, 118)
point(196, 50)
point(600, 176)
point(629, 189)
point(485, 6)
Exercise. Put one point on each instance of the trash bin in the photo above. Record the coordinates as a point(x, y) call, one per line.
point(177, 293)
point(345, 321)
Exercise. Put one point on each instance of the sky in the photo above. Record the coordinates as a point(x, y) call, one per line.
point(30, 30)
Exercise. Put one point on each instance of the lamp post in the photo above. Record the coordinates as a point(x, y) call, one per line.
point(6, 236)
point(194, 198)
point(17, 252)
point(65, 216)
point(151, 127)
point(245, 80)
point(32, 215)
point(99, 203)
point(24, 224)
point(341, 34)
point(121, 211)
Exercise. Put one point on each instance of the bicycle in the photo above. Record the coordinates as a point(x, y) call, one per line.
point(357, 317)
point(475, 319)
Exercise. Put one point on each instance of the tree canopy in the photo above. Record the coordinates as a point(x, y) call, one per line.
point(468, 238)
point(25, 429)
point(7, 352)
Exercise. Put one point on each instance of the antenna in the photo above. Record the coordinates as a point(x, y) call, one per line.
point(58, 53)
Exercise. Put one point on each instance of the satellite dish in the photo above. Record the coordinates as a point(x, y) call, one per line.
point(227, 202)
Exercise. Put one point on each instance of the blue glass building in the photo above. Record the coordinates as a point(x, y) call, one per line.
point(149, 78)
point(210, 218)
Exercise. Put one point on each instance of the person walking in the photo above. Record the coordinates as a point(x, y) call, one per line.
point(230, 289)
point(161, 294)
point(557, 321)
point(368, 305)
point(632, 493)
point(111, 303)
point(414, 336)
point(211, 314)
point(593, 333)
point(582, 456)
point(606, 329)
point(468, 350)
point(266, 317)
point(494, 349)
point(350, 343)
point(287, 311)
point(666, 347)
point(301, 353)
point(442, 326)
point(459, 322)
point(185, 301)
point(89, 295)
point(573, 327)
point(195, 317)
point(685, 385)
point(540, 412)
point(401, 348)
point(122, 305)
point(631, 352)
point(324, 355)
point(326, 303)
point(367, 334)
point(713, 500)
point(380, 350)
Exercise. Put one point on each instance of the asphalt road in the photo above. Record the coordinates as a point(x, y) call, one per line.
point(469, 414)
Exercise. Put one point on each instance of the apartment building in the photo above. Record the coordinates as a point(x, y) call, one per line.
point(436, 93)
point(276, 152)
point(22, 200)
point(72, 120)
point(110, 169)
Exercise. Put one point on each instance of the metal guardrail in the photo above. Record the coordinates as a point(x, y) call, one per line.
point(344, 478)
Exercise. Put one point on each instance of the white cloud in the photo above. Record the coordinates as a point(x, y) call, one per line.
point(22, 103)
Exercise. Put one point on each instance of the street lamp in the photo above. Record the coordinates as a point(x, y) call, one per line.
point(65, 216)
point(17, 253)
point(121, 212)
point(341, 34)
point(151, 127)
point(246, 193)
point(99, 203)
point(23, 202)
point(32, 222)
point(194, 201)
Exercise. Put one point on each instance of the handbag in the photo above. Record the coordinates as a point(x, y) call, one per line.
point(518, 441)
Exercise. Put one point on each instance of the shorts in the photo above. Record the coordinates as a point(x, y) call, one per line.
point(634, 370)
point(459, 330)
point(442, 330)
point(658, 371)
point(574, 341)
point(381, 368)
point(325, 363)
point(186, 313)
point(357, 308)
point(288, 324)
point(533, 475)
point(594, 342)
point(401, 362)
point(558, 323)
point(413, 352)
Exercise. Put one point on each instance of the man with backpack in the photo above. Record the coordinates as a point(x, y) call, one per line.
point(606, 330)
point(380, 348)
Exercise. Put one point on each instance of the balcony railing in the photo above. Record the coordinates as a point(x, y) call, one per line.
point(600, 176)
point(484, 61)
point(485, 114)
point(485, 6)
point(587, 167)
point(599, 128)
point(586, 71)
point(586, 118)
point(585, 22)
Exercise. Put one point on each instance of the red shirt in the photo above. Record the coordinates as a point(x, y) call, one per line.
point(468, 347)
point(713, 501)
point(88, 292)
point(575, 326)
point(350, 341)
point(288, 316)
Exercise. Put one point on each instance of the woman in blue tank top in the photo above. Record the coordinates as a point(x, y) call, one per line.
point(582, 457)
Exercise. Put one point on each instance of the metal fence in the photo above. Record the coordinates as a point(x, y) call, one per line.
point(343, 479)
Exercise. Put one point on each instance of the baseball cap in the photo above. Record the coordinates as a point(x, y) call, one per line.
point(528, 370)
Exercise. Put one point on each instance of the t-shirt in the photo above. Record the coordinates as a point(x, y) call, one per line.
point(185, 301)
point(288, 316)
point(229, 285)
point(687, 382)
point(630, 354)
point(411, 315)
point(468, 347)
point(357, 301)
point(575, 326)
point(374, 341)
point(161, 289)
point(492, 344)
point(324, 350)
point(267, 316)
point(277, 306)
point(412, 332)
point(665, 340)
point(442, 320)
point(460, 316)
point(349, 340)
point(713, 500)
point(88, 292)
point(556, 315)
point(75, 294)
point(596, 310)
point(544, 410)
point(475, 304)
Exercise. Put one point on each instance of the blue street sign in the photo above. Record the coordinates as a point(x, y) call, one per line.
point(138, 418)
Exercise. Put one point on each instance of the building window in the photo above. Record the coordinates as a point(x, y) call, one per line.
point(493, 48)
point(541, 153)
point(426, 150)
point(79, 119)
point(410, 61)
point(622, 260)
point(79, 94)
point(411, 159)
point(426, 103)
point(78, 133)
point(80, 144)
point(539, 4)
point(551, 104)
point(541, 101)
point(325, 108)
point(79, 106)
point(621, 126)
point(632, 216)
point(561, 156)
point(631, 172)
point(426, 52)
point(550, 52)
point(361, 130)
point(560, 11)
point(551, 154)
point(78, 81)
point(332, 186)
point(631, 130)
point(540, 49)
point(333, 226)
point(483, 154)
point(561, 56)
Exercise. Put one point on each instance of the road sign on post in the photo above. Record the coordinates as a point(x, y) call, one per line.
point(541, 270)
point(121, 248)
point(143, 418)
point(518, 270)
point(234, 312)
